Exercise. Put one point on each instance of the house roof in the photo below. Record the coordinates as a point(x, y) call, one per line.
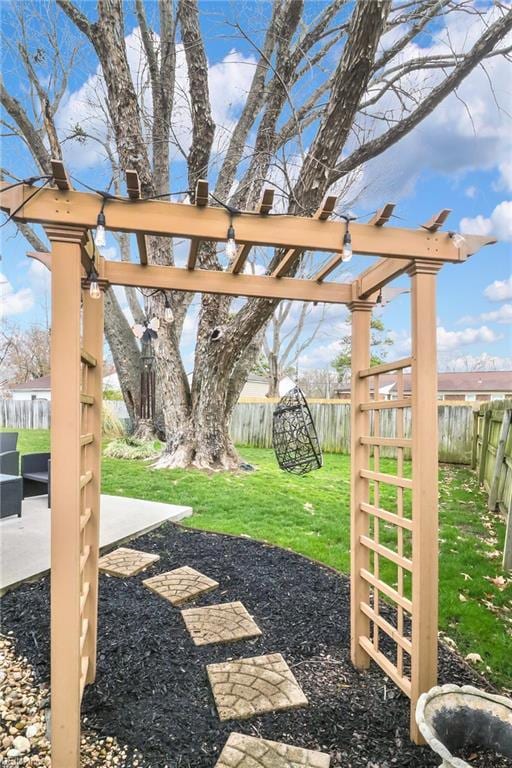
point(42, 383)
point(454, 381)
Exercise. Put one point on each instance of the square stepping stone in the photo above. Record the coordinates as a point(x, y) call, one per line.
point(126, 562)
point(220, 623)
point(249, 687)
point(180, 585)
point(241, 751)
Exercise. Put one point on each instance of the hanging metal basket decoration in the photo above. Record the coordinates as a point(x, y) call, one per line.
point(294, 436)
point(147, 333)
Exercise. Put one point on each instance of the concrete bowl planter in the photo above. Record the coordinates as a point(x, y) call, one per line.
point(452, 718)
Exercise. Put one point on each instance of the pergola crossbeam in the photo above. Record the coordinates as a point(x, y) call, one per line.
point(437, 221)
point(217, 282)
point(202, 194)
point(293, 254)
point(134, 193)
point(192, 253)
point(287, 232)
point(60, 175)
point(264, 207)
point(383, 215)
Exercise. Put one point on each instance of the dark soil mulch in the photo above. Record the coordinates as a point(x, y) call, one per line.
point(152, 690)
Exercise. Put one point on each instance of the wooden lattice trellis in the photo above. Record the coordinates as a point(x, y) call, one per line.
point(394, 525)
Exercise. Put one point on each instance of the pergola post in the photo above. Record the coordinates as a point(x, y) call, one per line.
point(425, 483)
point(359, 453)
point(65, 496)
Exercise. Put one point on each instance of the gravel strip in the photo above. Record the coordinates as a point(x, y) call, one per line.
point(24, 713)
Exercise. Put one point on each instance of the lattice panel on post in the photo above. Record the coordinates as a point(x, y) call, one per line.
point(389, 608)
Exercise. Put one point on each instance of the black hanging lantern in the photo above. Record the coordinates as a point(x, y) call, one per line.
point(147, 333)
point(294, 436)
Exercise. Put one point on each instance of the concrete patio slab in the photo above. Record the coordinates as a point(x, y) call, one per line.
point(25, 541)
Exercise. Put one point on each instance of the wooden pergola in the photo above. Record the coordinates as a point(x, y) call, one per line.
point(402, 575)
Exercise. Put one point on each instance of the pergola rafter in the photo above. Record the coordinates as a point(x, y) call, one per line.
point(77, 341)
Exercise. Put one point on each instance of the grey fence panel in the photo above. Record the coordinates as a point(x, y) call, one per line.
point(252, 425)
point(25, 414)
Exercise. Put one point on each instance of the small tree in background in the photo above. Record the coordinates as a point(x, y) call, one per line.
point(380, 341)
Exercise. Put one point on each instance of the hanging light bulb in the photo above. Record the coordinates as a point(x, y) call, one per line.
point(168, 313)
point(231, 243)
point(346, 253)
point(94, 288)
point(457, 239)
point(99, 238)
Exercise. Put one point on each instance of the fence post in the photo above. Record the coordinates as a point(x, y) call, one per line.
point(500, 455)
point(485, 445)
point(474, 452)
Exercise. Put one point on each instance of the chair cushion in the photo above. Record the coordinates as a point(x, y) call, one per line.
point(39, 477)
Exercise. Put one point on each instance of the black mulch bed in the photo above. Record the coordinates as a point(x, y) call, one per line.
point(152, 691)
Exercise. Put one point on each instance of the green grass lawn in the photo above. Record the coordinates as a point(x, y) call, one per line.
point(310, 515)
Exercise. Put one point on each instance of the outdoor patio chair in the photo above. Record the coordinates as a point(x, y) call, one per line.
point(8, 441)
point(35, 470)
point(10, 463)
point(10, 495)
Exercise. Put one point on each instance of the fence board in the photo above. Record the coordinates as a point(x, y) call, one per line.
point(25, 414)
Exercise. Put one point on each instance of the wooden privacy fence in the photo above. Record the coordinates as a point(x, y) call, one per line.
point(492, 460)
point(25, 414)
point(252, 425)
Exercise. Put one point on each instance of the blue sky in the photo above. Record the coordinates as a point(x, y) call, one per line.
point(459, 158)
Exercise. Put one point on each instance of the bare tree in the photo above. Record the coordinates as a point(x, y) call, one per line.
point(284, 345)
point(24, 353)
point(332, 119)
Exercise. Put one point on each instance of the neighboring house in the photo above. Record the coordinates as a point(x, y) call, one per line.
point(255, 386)
point(40, 389)
point(35, 389)
point(477, 386)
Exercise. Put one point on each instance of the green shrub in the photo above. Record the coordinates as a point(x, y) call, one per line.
point(132, 448)
point(112, 394)
point(111, 424)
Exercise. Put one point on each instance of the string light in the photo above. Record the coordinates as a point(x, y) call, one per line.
point(94, 288)
point(168, 313)
point(231, 242)
point(346, 254)
point(99, 238)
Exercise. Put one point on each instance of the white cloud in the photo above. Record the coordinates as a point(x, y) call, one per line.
point(39, 275)
point(502, 315)
point(448, 340)
point(467, 131)
point(14, 302)
point(499, 223)
point(499, 290)
point(470, 192)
